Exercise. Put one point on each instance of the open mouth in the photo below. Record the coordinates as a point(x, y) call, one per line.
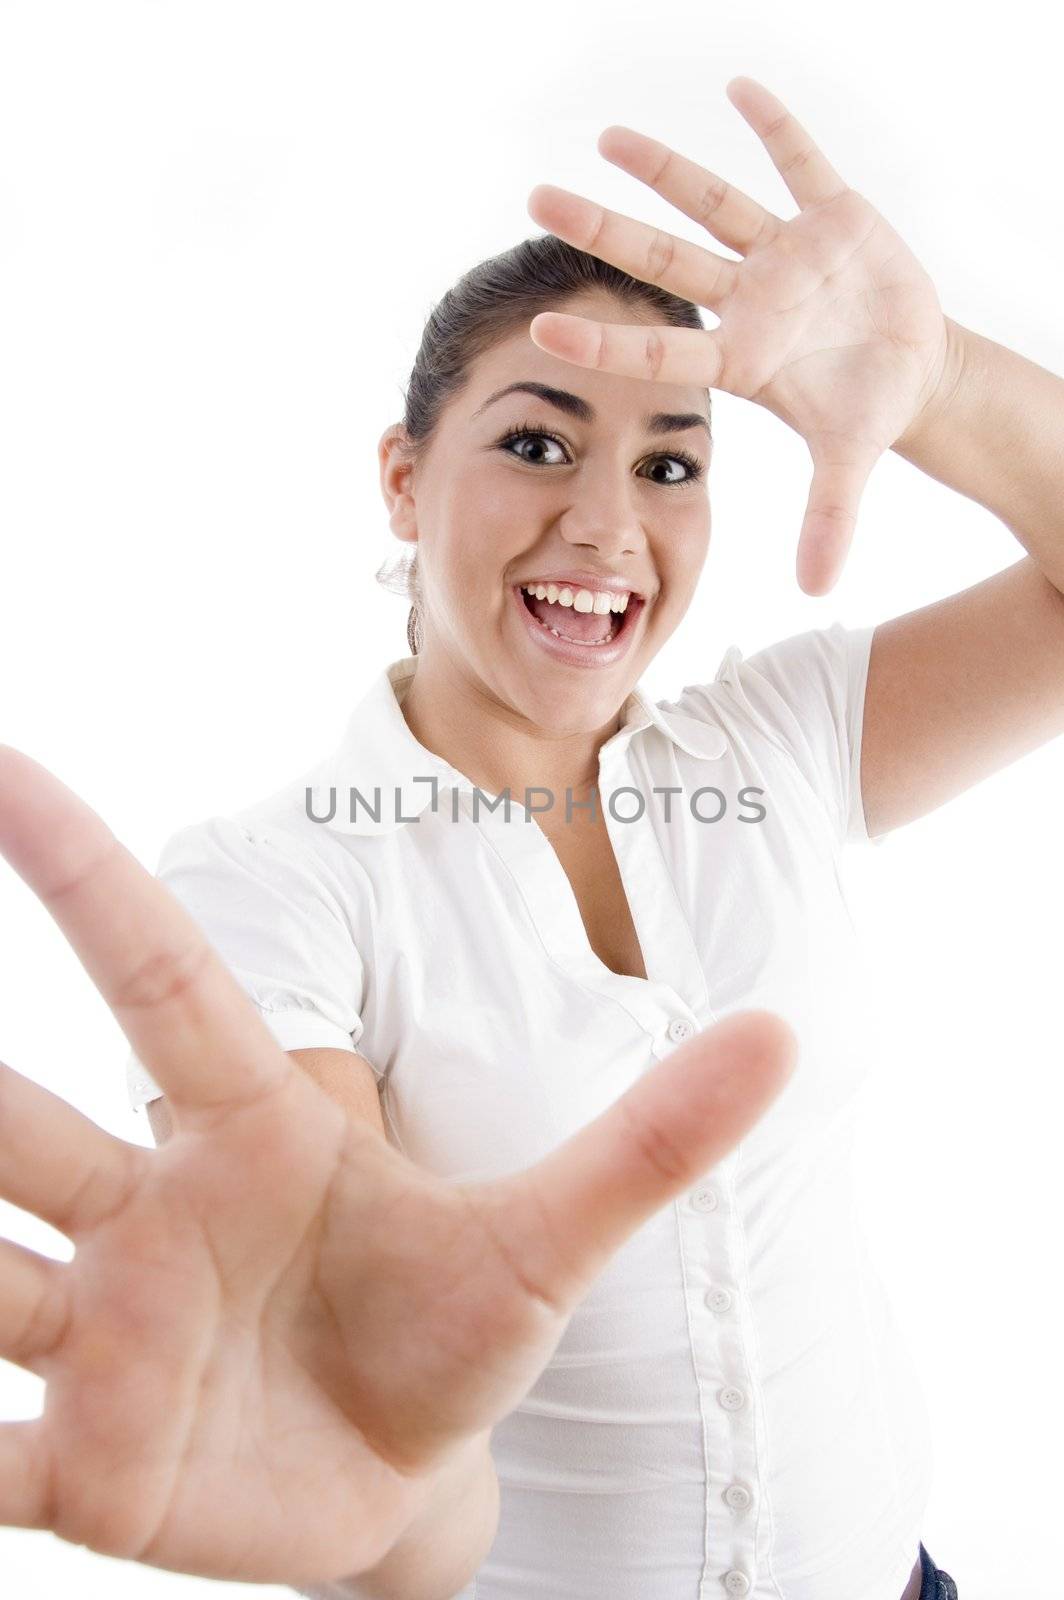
point(593, 631)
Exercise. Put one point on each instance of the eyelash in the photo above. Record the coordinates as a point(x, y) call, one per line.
point(526, 430)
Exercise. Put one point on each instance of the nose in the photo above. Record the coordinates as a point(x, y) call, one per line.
point(602, 515)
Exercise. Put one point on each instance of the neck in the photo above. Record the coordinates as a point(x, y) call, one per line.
point(495, 746)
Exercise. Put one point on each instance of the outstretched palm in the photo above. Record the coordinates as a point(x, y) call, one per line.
point(829, 321)
point(275, 1330)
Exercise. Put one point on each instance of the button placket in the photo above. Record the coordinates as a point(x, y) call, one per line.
point(726, 1388)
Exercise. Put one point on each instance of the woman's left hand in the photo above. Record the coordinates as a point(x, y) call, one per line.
point(828, 321)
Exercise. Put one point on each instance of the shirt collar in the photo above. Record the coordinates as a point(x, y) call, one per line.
point(379, 755)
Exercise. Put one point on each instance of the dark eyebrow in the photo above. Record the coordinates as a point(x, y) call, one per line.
point(574, 406)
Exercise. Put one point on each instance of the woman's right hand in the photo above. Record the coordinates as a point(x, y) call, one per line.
point(276, 1330)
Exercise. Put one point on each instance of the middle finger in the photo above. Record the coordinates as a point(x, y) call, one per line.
point(724, 211)
point(642, 251)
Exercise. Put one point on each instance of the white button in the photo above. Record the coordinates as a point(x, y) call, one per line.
point(732, 1399)
point(737, 1496)
point(718, 1300)
point(736, 1582)
point(679, 1029)
point(705, 1200)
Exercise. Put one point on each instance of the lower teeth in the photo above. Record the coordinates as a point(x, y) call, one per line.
point(593, 642)
point(615, 628)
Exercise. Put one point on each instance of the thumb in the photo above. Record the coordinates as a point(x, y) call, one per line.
point(839, 478)
point(567, 1215)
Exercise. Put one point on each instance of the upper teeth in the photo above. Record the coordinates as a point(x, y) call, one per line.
point(598, 600)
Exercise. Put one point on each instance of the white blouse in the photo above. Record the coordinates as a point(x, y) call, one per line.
point(731, 1410)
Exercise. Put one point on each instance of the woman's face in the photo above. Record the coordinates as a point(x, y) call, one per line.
point(604, 498)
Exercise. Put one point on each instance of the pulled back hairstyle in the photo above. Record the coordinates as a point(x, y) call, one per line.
point(488, 303)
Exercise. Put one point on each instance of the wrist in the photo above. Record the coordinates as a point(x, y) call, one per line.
point(949, 379)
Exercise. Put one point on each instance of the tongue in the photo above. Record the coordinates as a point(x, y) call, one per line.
point(587, 626)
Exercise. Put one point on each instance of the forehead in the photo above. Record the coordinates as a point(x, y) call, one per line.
point(517, 357)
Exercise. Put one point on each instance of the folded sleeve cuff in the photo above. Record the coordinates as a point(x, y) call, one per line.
point(293, 1029)
point(859, 655)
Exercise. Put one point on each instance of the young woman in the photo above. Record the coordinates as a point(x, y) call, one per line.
point(500, 1249)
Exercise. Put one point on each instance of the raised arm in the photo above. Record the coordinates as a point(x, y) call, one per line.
point(829, 321)
point(968, 684)
point(959, 689)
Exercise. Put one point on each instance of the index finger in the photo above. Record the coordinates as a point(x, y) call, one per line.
point(640, 350)
point(179, 1006)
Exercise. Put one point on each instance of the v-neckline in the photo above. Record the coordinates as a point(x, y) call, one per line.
point(664, 934)
point(601, 857)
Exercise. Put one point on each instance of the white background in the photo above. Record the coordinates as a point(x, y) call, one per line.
point(221, 228)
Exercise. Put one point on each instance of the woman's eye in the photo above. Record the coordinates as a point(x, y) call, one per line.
point(690, 470)
point(540, 441)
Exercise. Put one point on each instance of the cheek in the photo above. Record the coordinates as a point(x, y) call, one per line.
point(682, 555)
point(481, 538)
point(467, 572)
point(693, 547)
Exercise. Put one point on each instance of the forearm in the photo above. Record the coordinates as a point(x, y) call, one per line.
point(995, 433)
point(444, 1546)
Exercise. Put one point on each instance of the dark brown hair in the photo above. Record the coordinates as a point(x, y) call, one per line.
point(488, 303)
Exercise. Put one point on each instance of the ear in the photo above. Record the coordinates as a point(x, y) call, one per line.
point(396, 473)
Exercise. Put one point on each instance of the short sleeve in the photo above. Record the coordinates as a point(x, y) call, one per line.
point(808, 693)
point(274, 912)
